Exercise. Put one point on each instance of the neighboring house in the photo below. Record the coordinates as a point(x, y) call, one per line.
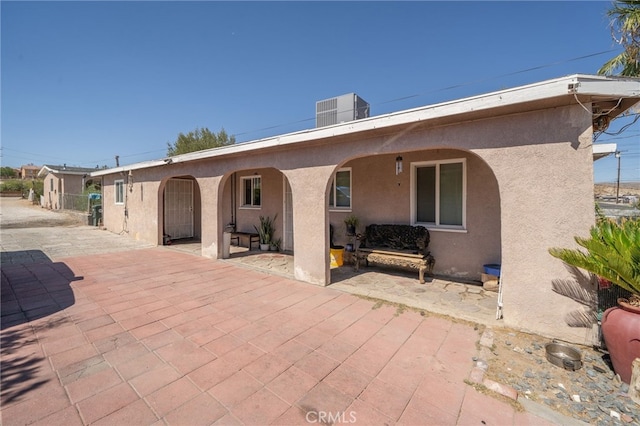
point(496, 178)
point(29, 172)
point(60, 180)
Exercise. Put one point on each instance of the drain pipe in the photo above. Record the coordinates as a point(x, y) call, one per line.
point(499, 307)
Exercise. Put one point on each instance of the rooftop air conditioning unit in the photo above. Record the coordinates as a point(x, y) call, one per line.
point(341, 109)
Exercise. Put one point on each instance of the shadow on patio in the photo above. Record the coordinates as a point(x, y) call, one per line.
point(33, 288)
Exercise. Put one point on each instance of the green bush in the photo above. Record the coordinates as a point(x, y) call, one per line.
point(13, 185)
point(38, 187)
point(7, 172)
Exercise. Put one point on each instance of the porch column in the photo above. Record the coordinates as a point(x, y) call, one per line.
point(310, 223)
point(210, 190)
point(546, 198)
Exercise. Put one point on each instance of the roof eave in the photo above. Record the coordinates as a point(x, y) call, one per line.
point(573, 85)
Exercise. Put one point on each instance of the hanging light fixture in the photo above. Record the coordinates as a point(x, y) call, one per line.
point(398, 165)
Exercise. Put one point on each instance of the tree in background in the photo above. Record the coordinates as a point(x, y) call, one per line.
point(198, 140)
point(625, 30)
point(7, 172)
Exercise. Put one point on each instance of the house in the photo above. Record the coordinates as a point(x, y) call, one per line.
point(28, 172)
point(497, 178)
point(60, 180)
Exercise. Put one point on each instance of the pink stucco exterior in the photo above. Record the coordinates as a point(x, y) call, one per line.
point(55, 185)
point(60, 180)
point(528, 187)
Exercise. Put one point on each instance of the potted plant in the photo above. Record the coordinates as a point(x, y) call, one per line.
point(276, 244)
point(613, 254)
point(351, 223)
point(265, 231)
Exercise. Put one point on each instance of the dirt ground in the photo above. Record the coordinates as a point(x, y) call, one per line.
point(28, 215)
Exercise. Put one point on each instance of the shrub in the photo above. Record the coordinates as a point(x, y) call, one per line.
point(14, 185)
point(612, 252)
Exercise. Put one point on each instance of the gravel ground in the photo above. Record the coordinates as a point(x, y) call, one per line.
point(593, 394)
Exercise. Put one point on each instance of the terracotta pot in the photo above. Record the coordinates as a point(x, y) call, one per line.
point(621, 332)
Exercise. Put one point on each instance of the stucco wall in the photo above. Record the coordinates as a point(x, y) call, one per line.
point(62, 184)
point(51, 196)
point(271, 201)
point(380, 196)
point(72, 184)
point(529, 188)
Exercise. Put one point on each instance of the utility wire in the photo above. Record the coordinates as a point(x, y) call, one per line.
point(444, 89)
point(398, 99)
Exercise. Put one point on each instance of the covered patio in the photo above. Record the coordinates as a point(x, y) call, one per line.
point(440, 295)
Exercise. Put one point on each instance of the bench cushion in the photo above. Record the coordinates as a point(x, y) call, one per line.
point(407, 238)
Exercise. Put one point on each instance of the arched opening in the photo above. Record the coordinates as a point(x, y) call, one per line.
point(451, 192)
point(179, 207)
point(249, 197)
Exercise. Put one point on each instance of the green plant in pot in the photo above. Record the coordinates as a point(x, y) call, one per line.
point(351, 222)
point(276, 244)
point(612, 252)
point(265, 231)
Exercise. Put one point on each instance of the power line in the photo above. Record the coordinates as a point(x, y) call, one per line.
point(456, 86)
point(398, 99)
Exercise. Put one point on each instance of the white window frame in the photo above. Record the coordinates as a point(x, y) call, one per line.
point(118, 186)
point(436, 226)
point(333, 207)
point(250, 205)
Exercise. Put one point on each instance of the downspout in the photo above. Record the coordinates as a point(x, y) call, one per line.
point(499, 306)
point(233, 198)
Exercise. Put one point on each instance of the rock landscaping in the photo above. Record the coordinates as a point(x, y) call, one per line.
point(593, 394)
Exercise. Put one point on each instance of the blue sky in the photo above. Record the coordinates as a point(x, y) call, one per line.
point(85, 81)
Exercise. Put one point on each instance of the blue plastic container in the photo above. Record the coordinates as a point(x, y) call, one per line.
point(492, 269)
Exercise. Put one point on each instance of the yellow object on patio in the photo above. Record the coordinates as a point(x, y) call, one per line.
point(336, 257)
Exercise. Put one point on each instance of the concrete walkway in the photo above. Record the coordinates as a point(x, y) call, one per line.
point(149, 336)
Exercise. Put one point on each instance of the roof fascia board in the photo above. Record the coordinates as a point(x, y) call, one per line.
point(135, 166)
point(559, 87)
point(603, 150)
point(608, 86)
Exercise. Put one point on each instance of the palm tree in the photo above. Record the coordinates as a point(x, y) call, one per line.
point(625, 30)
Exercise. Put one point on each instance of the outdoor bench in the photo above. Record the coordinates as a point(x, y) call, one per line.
point(248, 237)
point(402, 246)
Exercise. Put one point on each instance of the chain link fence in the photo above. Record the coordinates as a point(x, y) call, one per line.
point(79, 202)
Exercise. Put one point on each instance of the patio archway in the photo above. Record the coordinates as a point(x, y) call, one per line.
point(179, 210)
point(384, 192)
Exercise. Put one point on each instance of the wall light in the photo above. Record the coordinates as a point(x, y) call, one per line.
point(130, 181)
point(398, 165)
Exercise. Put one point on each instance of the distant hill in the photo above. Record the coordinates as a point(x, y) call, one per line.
point(626, 188)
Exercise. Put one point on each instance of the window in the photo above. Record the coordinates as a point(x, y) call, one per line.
point(251, 191)
point(439, 194)
point(51, 185)
point(340, 195)
point(119, 191)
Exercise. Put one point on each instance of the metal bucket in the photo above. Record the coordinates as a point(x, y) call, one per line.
point(564, 356)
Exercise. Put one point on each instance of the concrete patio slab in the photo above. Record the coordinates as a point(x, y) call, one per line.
point(113, 332)
point(312, 352)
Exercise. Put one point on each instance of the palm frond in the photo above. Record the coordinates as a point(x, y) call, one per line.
point(583, 319)
point(612, 251)
point(573, 290)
